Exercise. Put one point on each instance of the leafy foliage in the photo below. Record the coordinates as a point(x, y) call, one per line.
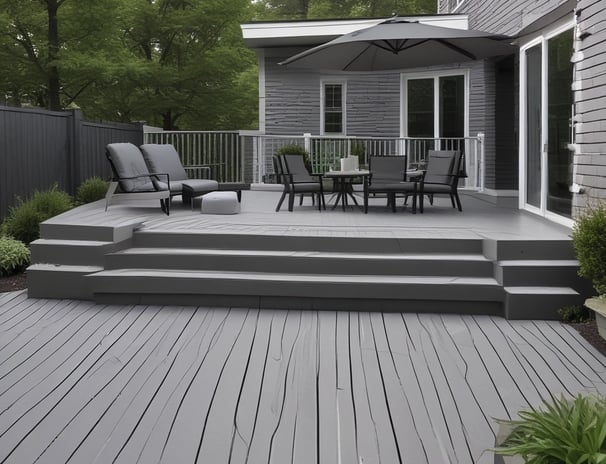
point(589, 240)
point(575, 314)
point(564, 431)
point(14, 256)
point(92, 189)
point(23, 220)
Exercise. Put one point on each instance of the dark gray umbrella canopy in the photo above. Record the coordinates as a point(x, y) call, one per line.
point(399, 44)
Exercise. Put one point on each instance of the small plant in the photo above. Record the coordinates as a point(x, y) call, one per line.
point(295, 150)
point(589, 241)
point(14, 256)
point(23, 221)
point(564, 431)
point(92, 189)
point(576, 314)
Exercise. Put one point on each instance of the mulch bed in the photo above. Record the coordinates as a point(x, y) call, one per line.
point(587, 329)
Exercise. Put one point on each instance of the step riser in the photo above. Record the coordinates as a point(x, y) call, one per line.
point(58, 284)
point(88, 232)
point(294, 288)
point(304, 265)
point(148, 239)
point(502, 250)
point(72, 255)
point(538, 275)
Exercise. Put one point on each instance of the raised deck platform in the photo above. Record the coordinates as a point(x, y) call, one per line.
point(486, 260)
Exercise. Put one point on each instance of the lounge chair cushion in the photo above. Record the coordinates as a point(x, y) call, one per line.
point(164, 158)
point(127, 161)
point(439, 169)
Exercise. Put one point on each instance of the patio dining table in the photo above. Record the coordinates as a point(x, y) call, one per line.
point(343, 182)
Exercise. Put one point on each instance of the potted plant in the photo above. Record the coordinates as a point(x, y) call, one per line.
point(566, 431)
point(589, 241)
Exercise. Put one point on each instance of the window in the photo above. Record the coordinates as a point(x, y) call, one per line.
point(435, 106)
point(333, 108)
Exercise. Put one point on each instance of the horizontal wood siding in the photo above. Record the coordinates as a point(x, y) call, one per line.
point(503, 17)
point(372, 102)
point(590, 104)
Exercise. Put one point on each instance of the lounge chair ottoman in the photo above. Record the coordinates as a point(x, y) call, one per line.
point(220, 203)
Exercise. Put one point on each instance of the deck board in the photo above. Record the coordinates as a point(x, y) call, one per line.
point(86, 383)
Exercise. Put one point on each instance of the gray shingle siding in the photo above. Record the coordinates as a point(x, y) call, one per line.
point(590, 104)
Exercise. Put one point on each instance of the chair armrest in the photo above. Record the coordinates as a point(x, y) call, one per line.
point(149, 176)
point(202, 167)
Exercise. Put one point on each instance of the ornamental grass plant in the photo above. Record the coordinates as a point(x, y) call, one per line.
point(14, 256)
point(563, 431)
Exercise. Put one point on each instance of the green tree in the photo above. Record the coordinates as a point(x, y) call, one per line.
point(52, 50)
point(187, 57)
point(318, 9)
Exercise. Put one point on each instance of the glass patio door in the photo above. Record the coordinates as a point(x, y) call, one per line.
point(546, 119)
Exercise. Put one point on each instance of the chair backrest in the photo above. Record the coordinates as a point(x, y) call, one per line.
point(442, 166)
point(164, 159)
point(387, 169)
point(127, 161)
point(295, 165)
point(278, 169)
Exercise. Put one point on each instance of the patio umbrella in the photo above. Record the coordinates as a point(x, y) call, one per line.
point(399, 44)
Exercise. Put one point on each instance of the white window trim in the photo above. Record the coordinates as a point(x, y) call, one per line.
point(342, 83)
point(404, 78)
point(539, 38)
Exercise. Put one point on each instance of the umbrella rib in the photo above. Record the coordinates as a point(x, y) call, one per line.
point(460, 50)
point(356, 57)
point(389, 46)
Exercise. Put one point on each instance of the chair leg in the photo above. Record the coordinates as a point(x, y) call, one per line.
point(421, 202)
point(300, 199)
point(452, 200)
point(392, 200)
point(291, 201)
point(458, 201)
point(281, 201)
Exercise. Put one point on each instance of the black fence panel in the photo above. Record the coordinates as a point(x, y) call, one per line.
point(39, 148)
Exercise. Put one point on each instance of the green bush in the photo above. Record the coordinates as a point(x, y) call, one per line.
point(589, 241)
point(574, 314)
point(23, 221)
point(296, 150)
point(14, 256)
point(564, 431)
point(92, 189)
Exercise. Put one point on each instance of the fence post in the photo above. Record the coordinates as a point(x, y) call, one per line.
point(73, 151)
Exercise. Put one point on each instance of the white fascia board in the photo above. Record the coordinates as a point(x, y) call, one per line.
point(292, 33)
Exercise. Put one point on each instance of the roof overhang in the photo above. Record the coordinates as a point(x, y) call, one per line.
point(315, 32)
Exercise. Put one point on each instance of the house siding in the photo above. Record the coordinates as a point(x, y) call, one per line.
point(502, 17)
point(590, 105)
point(292, 102)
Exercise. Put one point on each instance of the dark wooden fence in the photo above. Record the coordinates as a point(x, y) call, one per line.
point(39, 148)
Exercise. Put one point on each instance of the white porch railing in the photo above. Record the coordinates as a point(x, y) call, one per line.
point(236, 157)
point(220, 150)
point(326, 151)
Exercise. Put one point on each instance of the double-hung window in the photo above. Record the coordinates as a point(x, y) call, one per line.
point(333, 107)
point(435, 106)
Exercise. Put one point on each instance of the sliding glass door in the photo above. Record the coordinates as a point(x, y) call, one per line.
point(546, 107)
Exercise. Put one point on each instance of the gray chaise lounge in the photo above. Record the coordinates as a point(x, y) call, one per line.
point(164, 158)
point(133, 180)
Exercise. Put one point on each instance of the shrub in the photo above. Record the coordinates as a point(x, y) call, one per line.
point(564, 431)
point(574, 314)
point(92, 189)
point(589, 241)
point(295, 150)
point(23, 221)
point(14, 256)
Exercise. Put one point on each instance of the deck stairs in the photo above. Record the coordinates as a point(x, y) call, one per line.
point(517, 279)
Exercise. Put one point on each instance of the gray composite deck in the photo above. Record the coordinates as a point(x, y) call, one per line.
point(88, 383)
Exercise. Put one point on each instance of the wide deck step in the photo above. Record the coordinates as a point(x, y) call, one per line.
point(282, 290)
point(304, 262)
